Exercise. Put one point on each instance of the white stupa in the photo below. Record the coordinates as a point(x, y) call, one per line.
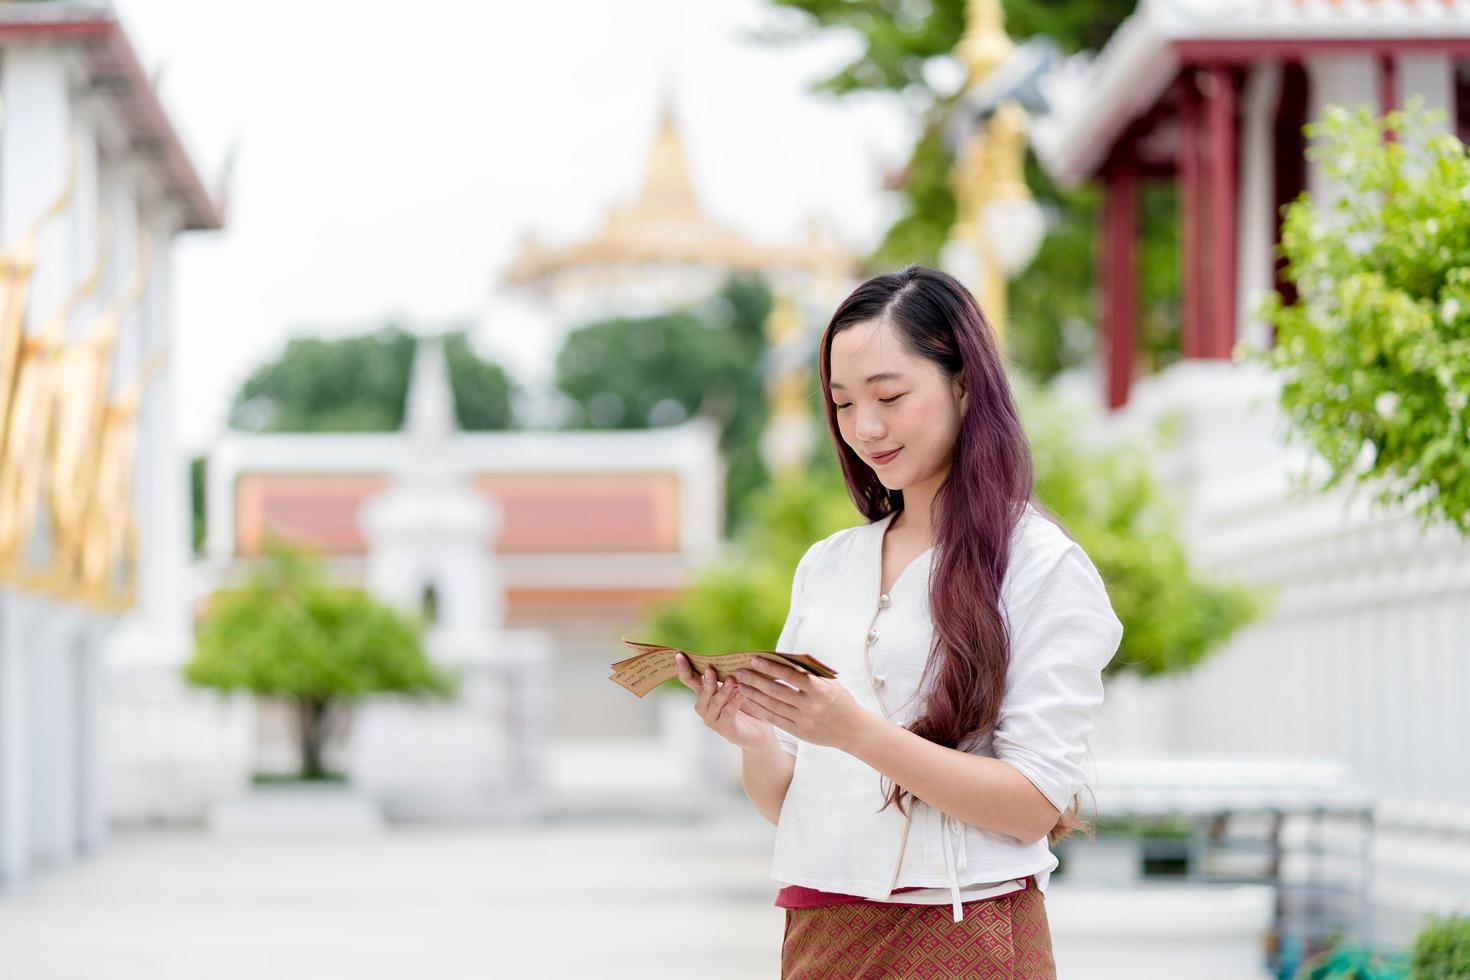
point(430, 533)
point(430, 537)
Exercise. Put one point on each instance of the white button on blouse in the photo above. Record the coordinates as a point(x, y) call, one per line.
point(830, 833)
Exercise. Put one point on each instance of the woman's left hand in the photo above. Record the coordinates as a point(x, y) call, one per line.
point(820, 710)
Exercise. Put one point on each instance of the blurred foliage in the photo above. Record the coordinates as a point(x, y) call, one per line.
point(1375, 354)
point(928, 210)
point(360, 383)
point(483, 390)
point(197, 476)
point(1155, 828)
point(1052, 312)
point(288, 634)
point(649, 371)
point(1442, 949)
point(1107, 499)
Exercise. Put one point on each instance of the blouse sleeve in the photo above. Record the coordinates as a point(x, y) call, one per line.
point(787, 641)
point(1066, 634)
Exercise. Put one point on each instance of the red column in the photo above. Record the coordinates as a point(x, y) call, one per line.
point(1120, 279)
point(1191, 226)
point(1388, 89)
point(1219, 321)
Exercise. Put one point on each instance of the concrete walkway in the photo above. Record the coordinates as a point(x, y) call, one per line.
point(598, 900)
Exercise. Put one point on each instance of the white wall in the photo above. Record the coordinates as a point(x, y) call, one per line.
point(1362, 658)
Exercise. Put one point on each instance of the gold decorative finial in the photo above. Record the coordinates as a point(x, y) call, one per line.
point(787, 441)
point(985, 43)
point(1006, 144)
point(989, 168)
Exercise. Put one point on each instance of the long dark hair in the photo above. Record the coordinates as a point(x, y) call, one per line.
point(978, 505)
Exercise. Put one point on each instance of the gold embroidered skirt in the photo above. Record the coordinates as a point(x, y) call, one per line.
point(1002, 938)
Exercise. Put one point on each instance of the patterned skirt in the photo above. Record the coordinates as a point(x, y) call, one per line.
point(1003, 938)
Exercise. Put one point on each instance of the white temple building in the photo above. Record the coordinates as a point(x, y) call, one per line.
point(95, 183)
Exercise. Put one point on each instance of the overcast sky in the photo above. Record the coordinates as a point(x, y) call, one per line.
point(391, 155)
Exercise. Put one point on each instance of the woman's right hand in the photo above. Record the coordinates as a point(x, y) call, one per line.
point(718, 703)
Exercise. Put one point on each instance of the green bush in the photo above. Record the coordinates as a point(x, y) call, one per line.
point(1110, 501)
point(286, 634)
point(1442, 950)
point(1375, 354)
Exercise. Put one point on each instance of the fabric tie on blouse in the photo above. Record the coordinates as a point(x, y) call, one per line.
point(952, 834)
point(951, 841)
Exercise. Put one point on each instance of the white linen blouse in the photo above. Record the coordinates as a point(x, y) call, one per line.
point(1063, 630)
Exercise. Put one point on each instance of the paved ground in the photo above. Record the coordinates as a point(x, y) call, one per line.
point(594, 899)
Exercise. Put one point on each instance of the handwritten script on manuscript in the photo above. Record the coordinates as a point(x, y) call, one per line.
point(655, 664)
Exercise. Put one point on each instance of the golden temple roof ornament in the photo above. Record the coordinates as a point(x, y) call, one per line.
point(80, 414)
point(23, 442)
point(664, 224)
point(985, 43)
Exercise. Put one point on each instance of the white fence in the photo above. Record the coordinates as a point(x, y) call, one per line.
point(1364, 655)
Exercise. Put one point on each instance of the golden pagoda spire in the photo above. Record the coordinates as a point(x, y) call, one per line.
point(985, 43)
point(668, 187)
point(663, 224)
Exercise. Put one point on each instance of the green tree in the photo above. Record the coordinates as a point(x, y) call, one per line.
point(1374, 355)
point(483, 391)
point(288, 634)
point(644, 372)
point(1107, 498)
point(360, 383)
